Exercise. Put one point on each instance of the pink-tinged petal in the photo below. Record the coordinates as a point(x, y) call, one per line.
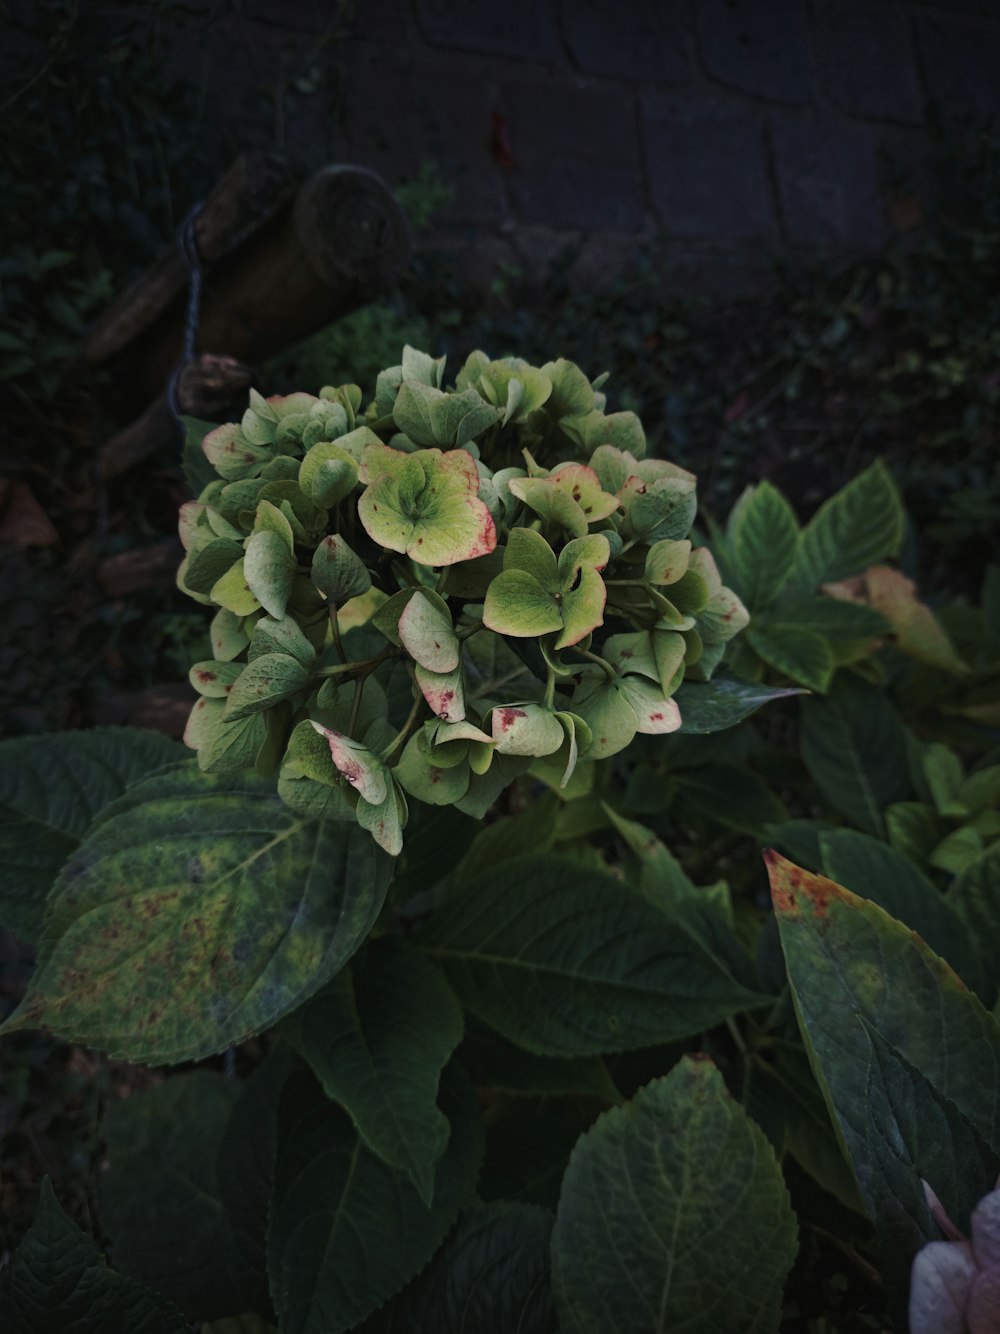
point(943, 1274)
point(285, 405)
point(982, 1315)
point(654, 714)
point(986, 1232)
point(444, 693)
point(364, 771)
point(940, 1214)
point(188, 521)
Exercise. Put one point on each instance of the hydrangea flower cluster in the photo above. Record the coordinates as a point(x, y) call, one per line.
point(426, 598)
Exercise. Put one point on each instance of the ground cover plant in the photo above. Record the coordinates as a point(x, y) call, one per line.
point(463, 888)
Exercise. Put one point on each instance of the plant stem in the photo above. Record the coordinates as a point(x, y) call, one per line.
point(364, 665)
point(405, 730)
point(472, 630)
point(359, 689)
point(606, 667)
point(338, 643)
point(550, 687)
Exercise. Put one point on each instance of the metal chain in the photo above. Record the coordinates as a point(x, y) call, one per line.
point(187, 242)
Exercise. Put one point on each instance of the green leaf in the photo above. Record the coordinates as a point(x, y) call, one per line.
point(854, 747)
point(723, 702)
point(491, 1276)
point(58, 1283)
point(496, 1064)
point(329, 472)
point(975, 896)
point(880, 873)
point(245, 1173)
point(730, 794)
point(337, 572)
point(801, 654)
point(567, 962)
point(334, 1198)
point(264, 682)
point(762, 533)
point(269, 568)
point(859, 526)
point(425, 504)
point(197, 912)
point(159, 1202)
point(51, 789)
point(673, 1214)
point(427, 633)
point(284, 636)
point(903, 1051)
point(380, 1055)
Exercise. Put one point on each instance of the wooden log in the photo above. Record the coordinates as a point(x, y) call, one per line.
point(343, 241)
point(255, 188)
point(151, 566)
point(211, 387)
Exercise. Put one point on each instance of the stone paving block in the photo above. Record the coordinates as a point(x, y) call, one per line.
point(646, 40)
point(513, 29)
point(575, 155)
point(865, 58)
point(761, 46)
point(828, 184)
point(707, 168)
point(439, 111)
point(961, 61)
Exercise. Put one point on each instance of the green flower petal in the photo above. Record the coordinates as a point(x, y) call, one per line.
point(428, 635)
point(525, 729)
point(517, 604)
point(583, 608)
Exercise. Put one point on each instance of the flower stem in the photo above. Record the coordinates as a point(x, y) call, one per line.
point(606, 667)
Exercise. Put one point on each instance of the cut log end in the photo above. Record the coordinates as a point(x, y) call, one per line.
point(353, 230)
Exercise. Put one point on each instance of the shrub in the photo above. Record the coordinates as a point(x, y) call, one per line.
point(509, 1062)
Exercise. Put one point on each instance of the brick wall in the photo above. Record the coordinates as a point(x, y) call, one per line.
point(737, 130)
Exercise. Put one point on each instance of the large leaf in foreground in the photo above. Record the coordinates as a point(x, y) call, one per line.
point(58, 1283)
point(567, 961)
point(347, 1230)
point(908, 1058)
point(197, 912)
point(490, 1277)
point(378, 1038)
point(673, 1214)
point(245, 1169)
point(159, 1200)
point(51, 788)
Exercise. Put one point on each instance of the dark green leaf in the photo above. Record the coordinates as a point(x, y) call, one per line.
point(762, 532)
point(794, 651)
point(347, 1231)
point(975, 895)
point(378, 1038)
point(51, 788)
point(854, 746)
point(730, 794)
point(848, 959)
point(859, 526)
point(199, 911)
point(58, 1283)
point(673, 1214)
point(880, 873)
point(567, 962)
point(490, 1277)
point(159, 1199)
point(723, 702)
point(246, 1174)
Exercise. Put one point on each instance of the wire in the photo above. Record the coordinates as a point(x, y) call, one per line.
point(187, 243)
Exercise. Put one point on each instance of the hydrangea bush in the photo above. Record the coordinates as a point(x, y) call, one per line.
point(530, 591)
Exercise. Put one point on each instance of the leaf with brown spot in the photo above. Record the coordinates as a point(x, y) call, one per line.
point(908, 1058)
point(278, 905)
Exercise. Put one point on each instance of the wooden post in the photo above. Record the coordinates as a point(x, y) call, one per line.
point(210, 387)
point(255, 189)
point(342, 241)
